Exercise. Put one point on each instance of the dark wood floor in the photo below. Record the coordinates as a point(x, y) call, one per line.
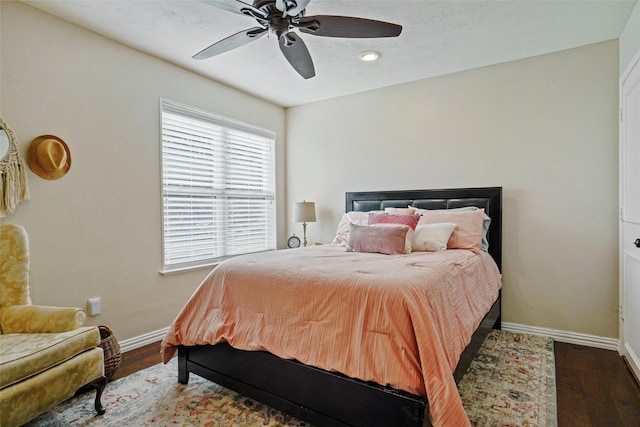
point(594, 386)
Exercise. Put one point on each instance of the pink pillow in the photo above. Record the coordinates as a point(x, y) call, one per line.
point(400, 211)
point(468, 231)
point(410, 220)
point(385, 239)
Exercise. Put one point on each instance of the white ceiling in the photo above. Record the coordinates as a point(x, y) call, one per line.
point(438, 37)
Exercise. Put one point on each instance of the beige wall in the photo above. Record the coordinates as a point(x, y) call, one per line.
point(97, 231)
point(544, 128)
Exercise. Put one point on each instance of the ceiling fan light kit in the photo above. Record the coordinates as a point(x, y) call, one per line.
point(282, 17)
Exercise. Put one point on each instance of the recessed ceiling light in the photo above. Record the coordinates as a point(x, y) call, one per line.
point(369, 55)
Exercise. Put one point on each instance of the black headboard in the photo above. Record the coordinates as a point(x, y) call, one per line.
point(489, 198)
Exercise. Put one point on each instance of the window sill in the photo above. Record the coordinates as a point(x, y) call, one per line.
point(170, 272)
point(209, 266)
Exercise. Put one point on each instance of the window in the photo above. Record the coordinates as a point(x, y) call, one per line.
point(218, 188)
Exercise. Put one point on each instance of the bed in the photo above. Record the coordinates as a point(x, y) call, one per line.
point(329, 396)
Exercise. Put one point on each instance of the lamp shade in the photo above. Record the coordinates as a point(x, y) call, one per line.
point(304, 212)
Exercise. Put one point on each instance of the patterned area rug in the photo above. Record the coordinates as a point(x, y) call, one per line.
point(510, 383)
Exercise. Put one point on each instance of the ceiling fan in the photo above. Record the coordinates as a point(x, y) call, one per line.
point(281, 17)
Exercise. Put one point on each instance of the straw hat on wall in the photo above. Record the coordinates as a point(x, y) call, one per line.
point(49, 157)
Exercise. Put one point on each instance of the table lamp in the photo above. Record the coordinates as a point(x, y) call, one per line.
point(304, 212)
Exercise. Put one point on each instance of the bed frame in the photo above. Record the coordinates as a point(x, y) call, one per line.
point(325, 398)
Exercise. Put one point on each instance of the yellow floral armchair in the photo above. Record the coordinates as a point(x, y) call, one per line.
point(46, 354)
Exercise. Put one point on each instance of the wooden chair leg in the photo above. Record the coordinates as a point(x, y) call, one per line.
point(99, 384)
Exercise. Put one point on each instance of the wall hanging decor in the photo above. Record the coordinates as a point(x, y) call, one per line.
point(49, 157)
point(13, 175)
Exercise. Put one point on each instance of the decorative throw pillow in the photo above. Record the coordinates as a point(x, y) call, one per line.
point(468, 231)
point(432, 237)
point(355, 217)
point(400, 211)
point(485, 223)
point(384, 238)
point(410, 220)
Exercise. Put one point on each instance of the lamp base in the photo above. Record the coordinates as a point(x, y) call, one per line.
point(304, 233)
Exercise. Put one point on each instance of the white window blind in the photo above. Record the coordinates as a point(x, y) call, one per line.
point(218, 188)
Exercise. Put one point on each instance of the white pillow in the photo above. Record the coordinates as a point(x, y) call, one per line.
point(432, 237)
point(352, 217)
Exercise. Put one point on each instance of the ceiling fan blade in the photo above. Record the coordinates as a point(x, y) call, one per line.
point(346, 26)
point(237, 6)
point(231, 42)
point(296, 52)
point(291, 7)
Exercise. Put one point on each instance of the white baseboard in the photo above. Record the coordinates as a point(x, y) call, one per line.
point(558, 335)
point(565, 336)
point(142, 340)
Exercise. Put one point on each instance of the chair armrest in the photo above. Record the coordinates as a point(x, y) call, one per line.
point(40, 319)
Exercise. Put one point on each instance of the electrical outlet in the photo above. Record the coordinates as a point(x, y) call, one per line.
point(94, 306)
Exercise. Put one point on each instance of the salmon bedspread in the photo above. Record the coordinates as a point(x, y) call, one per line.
point(398, 320)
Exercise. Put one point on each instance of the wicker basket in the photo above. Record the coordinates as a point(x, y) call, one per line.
point(111, 347)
